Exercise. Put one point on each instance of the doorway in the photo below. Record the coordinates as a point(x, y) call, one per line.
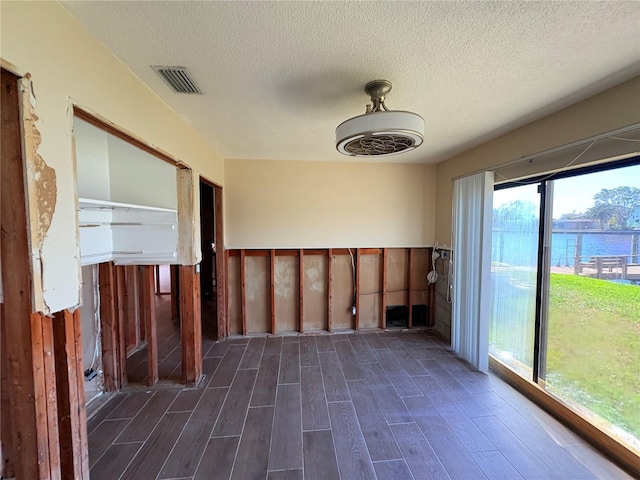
point(212, 298)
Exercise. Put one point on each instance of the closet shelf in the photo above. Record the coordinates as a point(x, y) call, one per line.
point(94, 204)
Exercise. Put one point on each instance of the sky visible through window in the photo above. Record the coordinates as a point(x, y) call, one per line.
point(577, 192)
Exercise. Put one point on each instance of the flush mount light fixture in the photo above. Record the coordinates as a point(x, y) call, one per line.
point(379, 131)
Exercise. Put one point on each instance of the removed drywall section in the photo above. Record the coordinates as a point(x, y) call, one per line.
point(420, 266)
point(397, 276)
point(234, 304)
point(342, 293)
point(370, 290)
point(258, 294)
point(442, 297)
point(315, 292)
point(286, 293)
point(90, 326)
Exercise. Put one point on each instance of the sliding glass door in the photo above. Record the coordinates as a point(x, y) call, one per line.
point(566, 291)
point(514, 253)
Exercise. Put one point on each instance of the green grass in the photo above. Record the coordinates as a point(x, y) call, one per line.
point(593, 354)
point(593, 351)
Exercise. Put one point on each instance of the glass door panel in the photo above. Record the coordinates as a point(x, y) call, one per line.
point(514, 254)
point(593, 323)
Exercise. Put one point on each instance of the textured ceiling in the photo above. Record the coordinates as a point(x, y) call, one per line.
point(278, 77)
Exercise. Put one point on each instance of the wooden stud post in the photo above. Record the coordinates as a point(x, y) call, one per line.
point(410, 287)
point(190, 325)
point(227, 311)
point(357, 292)
point(72, 420)
point(120, 303)
point(23, 330)
point(221, 264)
point(301, 291)
point(50, 390)
point(175, 293)
point(149, 320)
point(383, 315)
point(108, 327)
point(329, 288)
point(7, 456)
point(132, 302)
point(273, 291)
point(243, 299)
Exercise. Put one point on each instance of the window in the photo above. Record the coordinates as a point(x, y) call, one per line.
point(565, 297)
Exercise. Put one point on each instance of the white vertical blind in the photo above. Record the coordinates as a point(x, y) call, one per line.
point(472, 214)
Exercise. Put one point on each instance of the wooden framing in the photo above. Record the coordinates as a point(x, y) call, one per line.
point(243, 288)
point(120, 309)
point(225, 287)
point(383, 313)
point(29, 347)
point(410, 287)
point(72, 420)
point(221, 263)
point(272, 278)
point(329, 289)
point(7, 453)
point(149, 320)
point(301, 290)
point(109, 327)
point(113, 130)
point(132, 301)
point(190, 326)
point(273, 323)
point(357, 292)
point(175, 292)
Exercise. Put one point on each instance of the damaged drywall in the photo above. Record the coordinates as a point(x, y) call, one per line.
point(41, 187)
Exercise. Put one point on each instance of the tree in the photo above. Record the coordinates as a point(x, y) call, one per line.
point(615, 203)
point(518, 214)
point(602, 212)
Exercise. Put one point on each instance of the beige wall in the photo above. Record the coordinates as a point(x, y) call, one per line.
point(287, 204)
point(69, 66)
point(612, 109)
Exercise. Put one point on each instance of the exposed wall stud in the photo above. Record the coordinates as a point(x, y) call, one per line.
point(149, 316)
point(329, 289)
point(272, 275)
point(109, 327)
point(120, 309)
point(301, 291)
point(357, 292)
point(72, 421)
point(190, 325)
point(243, 299)
point(383, 313)
point(410, 287)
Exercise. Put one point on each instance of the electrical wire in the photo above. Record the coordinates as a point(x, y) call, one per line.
point(353, 268)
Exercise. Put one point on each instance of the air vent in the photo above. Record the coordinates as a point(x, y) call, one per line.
point(178, 78)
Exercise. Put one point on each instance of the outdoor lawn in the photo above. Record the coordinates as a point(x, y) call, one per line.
point(593, 355)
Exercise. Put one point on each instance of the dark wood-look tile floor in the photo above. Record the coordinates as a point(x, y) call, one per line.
point(388, 405)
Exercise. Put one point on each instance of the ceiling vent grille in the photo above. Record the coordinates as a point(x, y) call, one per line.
point(178, 78)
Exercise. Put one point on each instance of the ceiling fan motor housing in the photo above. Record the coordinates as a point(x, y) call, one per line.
point(379, 132)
